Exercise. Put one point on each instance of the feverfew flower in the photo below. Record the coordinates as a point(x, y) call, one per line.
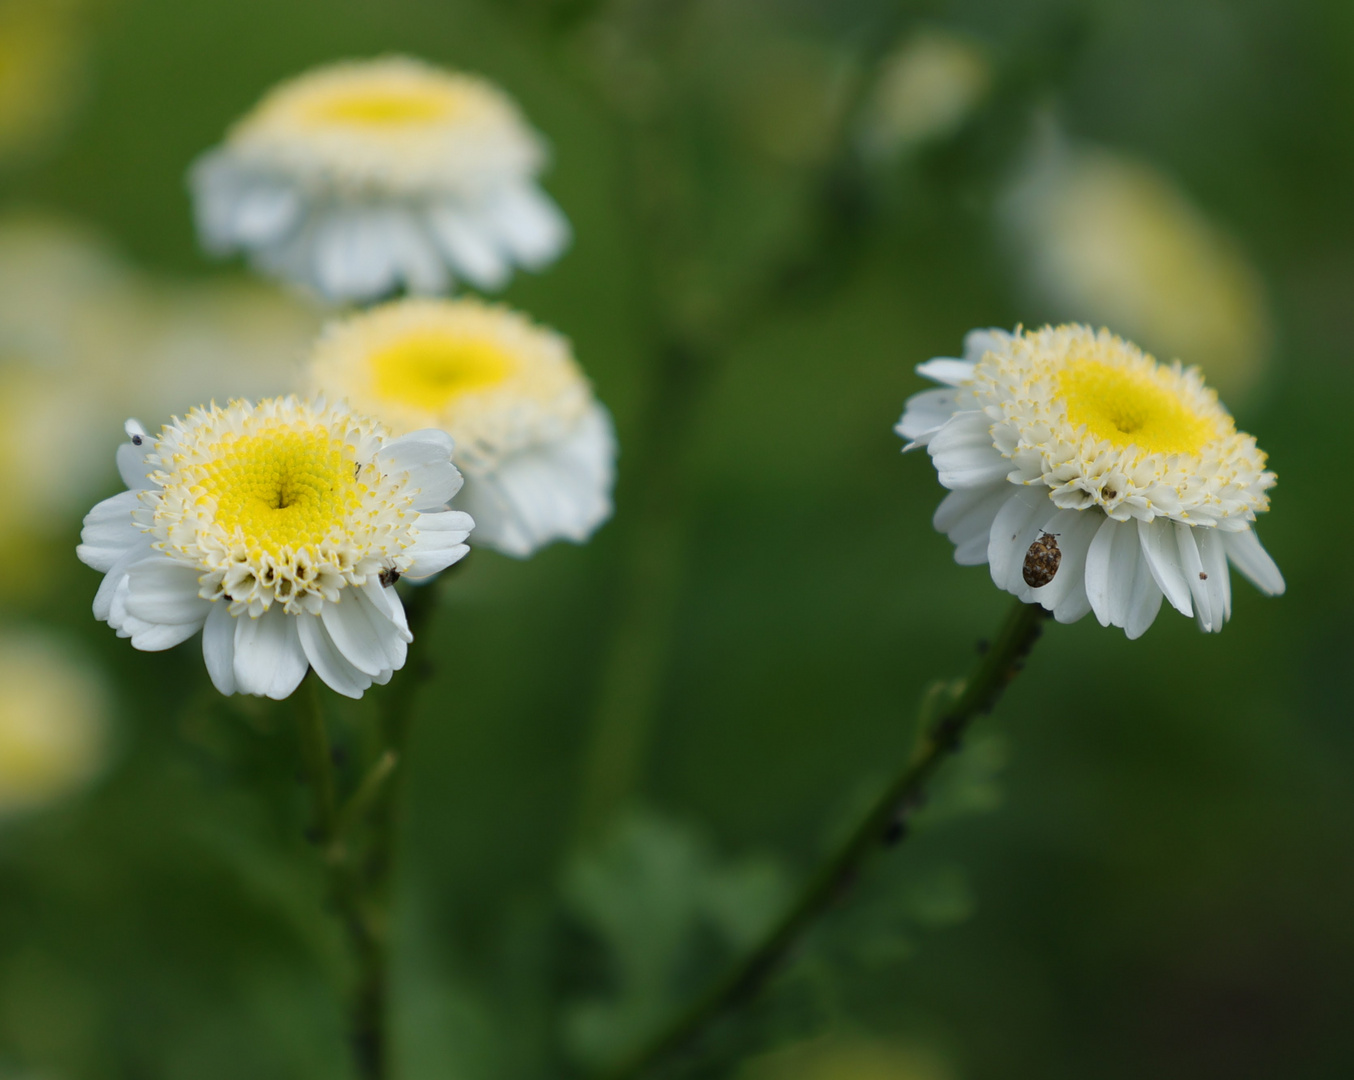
point(537, 449)
point(1111, 238)
point(363, 177)
point(278, 529)
point(1091, 478)
point(53, 721)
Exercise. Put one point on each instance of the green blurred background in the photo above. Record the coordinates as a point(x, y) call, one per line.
point(1141, 868)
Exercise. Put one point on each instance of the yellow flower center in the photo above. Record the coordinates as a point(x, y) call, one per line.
point(286, 488)
point(1132, 408)
point(382, 108)
point(429, 369)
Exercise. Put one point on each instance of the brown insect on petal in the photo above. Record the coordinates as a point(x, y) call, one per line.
point(1042, 560)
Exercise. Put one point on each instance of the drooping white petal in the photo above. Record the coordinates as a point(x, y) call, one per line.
point(1192, 565)
point(1145, 600)
point(387, 602)
point(218, 647)
point(1213, 556)
point(355, 635)
point(1244, 549)
point(269, 660)
point(156, 637)
point(469, 251)
point(116, 577)
point(557, 490)
point(329, 663)
point(1073, 531)
point(1013, 530)
point(530, 224)
point(265, 211)
point(966, 516)
point(1163, 559)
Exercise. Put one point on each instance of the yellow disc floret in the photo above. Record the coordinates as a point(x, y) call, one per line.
point(279, 502)
point(1129, 407)
point(488, 375)
point(286, 488)
point(1102, 423)
point(382, 107)
point(428, 369)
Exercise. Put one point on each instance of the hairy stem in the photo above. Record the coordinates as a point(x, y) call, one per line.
point(882, 824)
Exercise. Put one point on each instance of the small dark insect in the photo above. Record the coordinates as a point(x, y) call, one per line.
point(1041, 561)
point(389, 577)
point(137, 440)
point(1203, 576)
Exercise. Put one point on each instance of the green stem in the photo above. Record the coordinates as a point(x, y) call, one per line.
point(882, 824)
point(348, 891)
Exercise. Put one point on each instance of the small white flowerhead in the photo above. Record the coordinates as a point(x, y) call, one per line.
point(53, 722)
point(1111, 236)
point(277, 528)
point(1089, 477)
point(364, 177)
point(536, 447)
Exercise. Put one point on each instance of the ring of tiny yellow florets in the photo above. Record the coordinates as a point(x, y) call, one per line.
point(1222, 485)
point(368, 537)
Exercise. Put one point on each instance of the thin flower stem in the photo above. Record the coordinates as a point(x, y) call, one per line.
point(349, 891)
point(883, 825)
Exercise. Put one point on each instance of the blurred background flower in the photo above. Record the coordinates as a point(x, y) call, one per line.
point(1104, 237)
point(54, 712)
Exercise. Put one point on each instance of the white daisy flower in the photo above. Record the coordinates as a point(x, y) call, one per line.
point(537, 449)
point(277, 529)
point(363, 177)
point(1091, 478)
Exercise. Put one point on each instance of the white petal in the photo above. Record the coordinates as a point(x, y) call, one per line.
point(329, 664)
point(218, 647)
point(924, 414)
point(1112, 564)
point(978, 343)
point(109, 532)
point(966, 517)
point(116, 578)
point(1073, 531)
point(269, 660)
point(426, 456)
point(1013, 531)
point(1244, 549)
point(386, 600)
point(946, 370)
point(1204, 594)
point(161, 590)
point(157, 637)
point(131, 456)
point(354, 258)
point(963, 453)
point(414, 255)
point(264, 213)
point(1163, 559)
point(469, 251)
point(438, 542)
point(531, 226)
point(1145, 600)
point(1213, 554)
point(559, 491)
point(354, 633)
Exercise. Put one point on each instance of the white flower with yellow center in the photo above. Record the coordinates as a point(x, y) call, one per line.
point(536, 447)
point(363, 177)
point(278, 529)
point(1091, 478)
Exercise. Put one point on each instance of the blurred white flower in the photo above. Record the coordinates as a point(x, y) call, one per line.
point(364, 177)
point(253, 523)
point(536, 447)
point(86, 341)
point(1091, 478)
point(926, 89)
point(42, 76)
point(1108, 239)
point(53, 721)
